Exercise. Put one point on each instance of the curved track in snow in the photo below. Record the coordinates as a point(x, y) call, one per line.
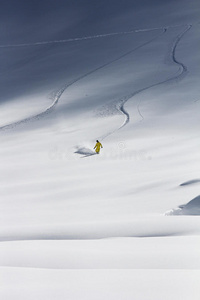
point(181, 72)
point(120, 104)
point(182, 68)
point(59, 93)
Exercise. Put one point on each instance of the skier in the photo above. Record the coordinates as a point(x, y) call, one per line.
point(98, 146)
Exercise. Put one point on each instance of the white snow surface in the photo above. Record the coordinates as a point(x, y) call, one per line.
point(124, 224)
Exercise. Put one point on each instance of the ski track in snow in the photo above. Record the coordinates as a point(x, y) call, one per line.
point(181, 73)
point(75, 39)
point(59, 93)
point(121, 103)
point(86, 37)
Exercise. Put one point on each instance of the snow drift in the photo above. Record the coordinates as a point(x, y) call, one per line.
point(191, 208)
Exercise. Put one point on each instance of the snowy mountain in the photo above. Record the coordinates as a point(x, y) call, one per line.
point(122, 224)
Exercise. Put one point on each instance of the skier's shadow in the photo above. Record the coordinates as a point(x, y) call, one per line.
point(86, 152)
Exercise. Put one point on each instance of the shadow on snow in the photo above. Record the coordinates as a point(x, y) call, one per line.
point(85, 152)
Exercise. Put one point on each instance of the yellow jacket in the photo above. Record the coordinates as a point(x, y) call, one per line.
point(97, 147)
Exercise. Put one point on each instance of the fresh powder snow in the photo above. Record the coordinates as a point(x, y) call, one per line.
point(123, 224)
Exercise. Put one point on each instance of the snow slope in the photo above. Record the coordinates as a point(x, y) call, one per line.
point(135, 87)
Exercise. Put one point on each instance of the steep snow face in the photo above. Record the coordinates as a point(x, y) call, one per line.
point(126, 73)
